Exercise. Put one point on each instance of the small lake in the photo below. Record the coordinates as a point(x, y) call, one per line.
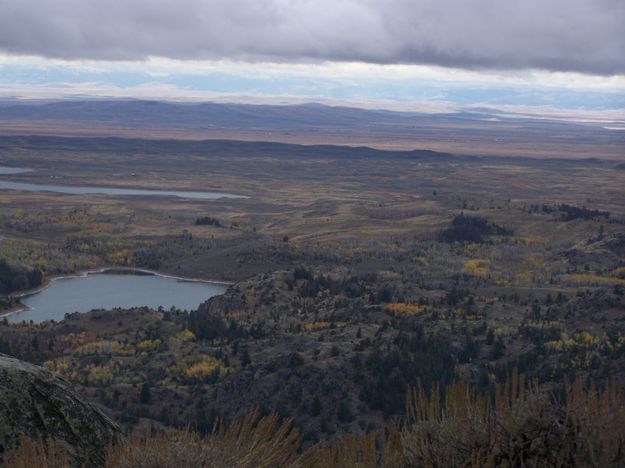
point(12, 170)
point(89, 190)
point(5, 185)
point(110, 290)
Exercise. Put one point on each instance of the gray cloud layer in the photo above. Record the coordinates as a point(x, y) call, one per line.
point(562, 35)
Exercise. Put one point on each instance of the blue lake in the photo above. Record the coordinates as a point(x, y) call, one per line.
point(74, 190)
point(110, 290)
point(12, 170)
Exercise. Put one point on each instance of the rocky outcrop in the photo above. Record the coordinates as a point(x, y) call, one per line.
point(35, 403)
point(210, 320)
point(232, 300)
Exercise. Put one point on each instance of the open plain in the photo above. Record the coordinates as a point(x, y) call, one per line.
point(357, 274)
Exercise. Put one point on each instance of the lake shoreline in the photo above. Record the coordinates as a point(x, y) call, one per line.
point(12, 184)
point(103, 270)
point(117, 191)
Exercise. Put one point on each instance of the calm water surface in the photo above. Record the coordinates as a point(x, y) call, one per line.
point(108, 290)
point(12, 170)
point(8, 185)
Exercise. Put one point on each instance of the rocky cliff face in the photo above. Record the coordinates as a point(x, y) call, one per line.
point(35, 403)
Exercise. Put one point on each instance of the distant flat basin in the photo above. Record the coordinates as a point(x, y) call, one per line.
point(110, 290)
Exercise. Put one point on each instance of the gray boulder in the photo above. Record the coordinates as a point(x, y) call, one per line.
point(35, 403)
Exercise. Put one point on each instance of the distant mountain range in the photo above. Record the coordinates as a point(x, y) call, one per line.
point(482, 132)
point(219, 114)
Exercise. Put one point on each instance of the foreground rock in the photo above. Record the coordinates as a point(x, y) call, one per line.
point(35, 403)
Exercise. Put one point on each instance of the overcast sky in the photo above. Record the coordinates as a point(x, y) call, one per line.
point(487, 38)
point(563, 35)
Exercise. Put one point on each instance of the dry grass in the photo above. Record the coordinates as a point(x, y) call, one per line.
point(517, 425)
point(38, 454)
point(375, 449)
point(252, 442)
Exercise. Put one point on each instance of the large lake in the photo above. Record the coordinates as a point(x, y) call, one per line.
point(73, 190)
point(110, 290)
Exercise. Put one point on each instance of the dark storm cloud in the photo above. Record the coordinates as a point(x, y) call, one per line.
point(563, 35)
